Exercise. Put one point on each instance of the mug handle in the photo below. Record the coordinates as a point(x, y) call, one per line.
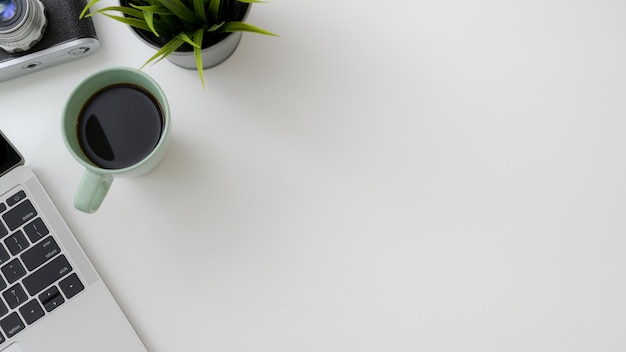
point(91, 191)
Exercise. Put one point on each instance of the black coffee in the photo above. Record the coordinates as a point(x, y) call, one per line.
point(119, 126)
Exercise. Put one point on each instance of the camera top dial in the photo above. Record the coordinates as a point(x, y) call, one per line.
point(22, 24)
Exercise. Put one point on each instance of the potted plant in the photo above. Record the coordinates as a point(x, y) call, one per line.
point(195, 34)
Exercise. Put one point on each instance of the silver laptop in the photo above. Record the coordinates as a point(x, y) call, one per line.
point(51, 297)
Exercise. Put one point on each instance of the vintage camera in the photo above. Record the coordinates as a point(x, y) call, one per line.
point(36, 34)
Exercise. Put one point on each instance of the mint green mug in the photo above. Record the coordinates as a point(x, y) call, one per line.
point(116, 124)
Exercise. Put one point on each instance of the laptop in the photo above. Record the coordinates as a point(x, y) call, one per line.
point(51, 297)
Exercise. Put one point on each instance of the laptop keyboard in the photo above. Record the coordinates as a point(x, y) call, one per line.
point(35, 275)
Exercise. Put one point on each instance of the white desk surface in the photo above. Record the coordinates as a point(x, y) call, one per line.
point(408, 176)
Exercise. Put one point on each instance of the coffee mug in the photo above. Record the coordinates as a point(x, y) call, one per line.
point(116, 124)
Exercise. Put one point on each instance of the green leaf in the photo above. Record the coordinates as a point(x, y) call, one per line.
point(167, 49)
point(214, 9)
point(124, 10)
point(214, 27)
point(134, 22)
point(179, 9)
point(157, 9)
point(149, 17)
point(243, 27)
point(198, 7)
point(87, 7)
point(198, 36)
point(188, 40)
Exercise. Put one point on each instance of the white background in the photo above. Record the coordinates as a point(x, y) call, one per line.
point(406, 175)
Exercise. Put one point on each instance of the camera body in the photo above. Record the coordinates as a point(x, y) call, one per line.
point(66, 38)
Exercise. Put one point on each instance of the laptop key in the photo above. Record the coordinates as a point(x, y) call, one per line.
point(16, 243)
point(19, 215)
point(36, 230)
point(71, 286)
point(13, 271)
point(16, 198)
point(51, 298)
point(15, 296)
point(47, 275)
point(31, 311)
point(40, 253)
point(4, 255)
point(54, 302)
point(12, 324)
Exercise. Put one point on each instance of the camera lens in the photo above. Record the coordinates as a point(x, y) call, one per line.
point(22, 23)
point(8, 9)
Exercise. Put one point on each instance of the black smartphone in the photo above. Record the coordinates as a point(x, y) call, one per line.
point(9, 156)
